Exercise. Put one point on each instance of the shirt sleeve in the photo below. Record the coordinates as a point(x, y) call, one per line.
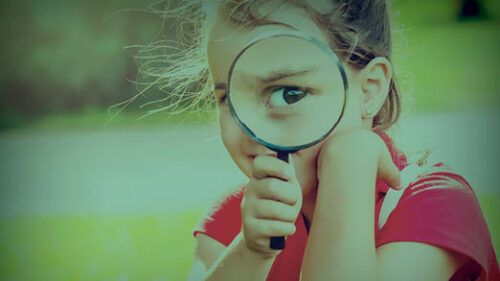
point(441, 209)
point(223, 221)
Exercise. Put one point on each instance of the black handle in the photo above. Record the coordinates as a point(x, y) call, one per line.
point(278, 243)
point(283, 155)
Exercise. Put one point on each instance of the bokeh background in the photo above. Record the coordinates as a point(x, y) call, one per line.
point(87, 197)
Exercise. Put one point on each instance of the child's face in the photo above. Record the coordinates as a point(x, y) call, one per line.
point(223, 46)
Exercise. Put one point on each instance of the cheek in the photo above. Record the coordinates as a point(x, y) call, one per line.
point(233, 138)
point(228, 131)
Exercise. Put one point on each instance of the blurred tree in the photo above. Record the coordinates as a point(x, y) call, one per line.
point(61, 56)
point(470, 9)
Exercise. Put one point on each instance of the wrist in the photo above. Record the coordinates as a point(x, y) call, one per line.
point(350, 153)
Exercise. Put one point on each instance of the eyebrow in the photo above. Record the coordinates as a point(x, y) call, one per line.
point(286, 73)
point(274, 76)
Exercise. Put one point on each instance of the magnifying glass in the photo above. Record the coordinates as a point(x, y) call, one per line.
point(287, 91)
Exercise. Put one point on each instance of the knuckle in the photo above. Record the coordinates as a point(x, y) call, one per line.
point(276, 228)
point(267, 185)
point(293, 213)
point(257, 161)
point(284, 212)
point(273, 189)
point(295, 195)
point(281, 228)
point(286, 172)
point(271, 210)
point(250, 226)
point(284, 192)
point(298, 205)
point(288, 216)
point(298, 194)
point(261, 162)
point(258, 168)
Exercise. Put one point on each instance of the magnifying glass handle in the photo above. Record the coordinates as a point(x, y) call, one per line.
point(283, 155)
point(278, 243)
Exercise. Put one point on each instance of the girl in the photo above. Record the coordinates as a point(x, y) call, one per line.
point(332, 200)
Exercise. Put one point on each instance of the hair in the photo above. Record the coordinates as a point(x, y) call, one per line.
point(358, 30)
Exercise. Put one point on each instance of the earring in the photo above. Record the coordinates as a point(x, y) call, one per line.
point(368, 112)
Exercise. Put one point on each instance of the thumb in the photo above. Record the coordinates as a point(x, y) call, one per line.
point(388, 171)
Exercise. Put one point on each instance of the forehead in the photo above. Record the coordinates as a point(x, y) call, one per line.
point(225, 40)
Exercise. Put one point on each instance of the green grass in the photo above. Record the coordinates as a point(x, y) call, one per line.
point(144, 248)
point(63, 248)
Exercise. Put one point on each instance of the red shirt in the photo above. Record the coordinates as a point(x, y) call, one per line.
point(438, 208)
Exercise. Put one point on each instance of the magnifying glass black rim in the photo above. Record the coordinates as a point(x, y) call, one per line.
point(247, 130)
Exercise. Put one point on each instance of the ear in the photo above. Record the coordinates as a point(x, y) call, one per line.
point(376, 80)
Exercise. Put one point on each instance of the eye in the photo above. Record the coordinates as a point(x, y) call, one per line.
point(286, 95)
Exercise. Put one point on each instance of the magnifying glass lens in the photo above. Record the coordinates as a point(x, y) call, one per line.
point(287, 91)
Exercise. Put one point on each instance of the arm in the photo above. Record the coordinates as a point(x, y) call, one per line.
point(270, 205)
point(416, 261)
point(206, 252)
point(341, 244)
point(227, 263)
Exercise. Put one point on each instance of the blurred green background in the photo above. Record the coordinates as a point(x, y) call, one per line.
point(65, 62)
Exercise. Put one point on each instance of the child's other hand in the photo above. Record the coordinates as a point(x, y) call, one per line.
point(271, 203)
point(354, 153)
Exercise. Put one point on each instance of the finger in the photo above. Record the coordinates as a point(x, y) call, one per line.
point(267, 166)
point(388, 171)
point(273, 210)
point(272, 228)
point(275, 189)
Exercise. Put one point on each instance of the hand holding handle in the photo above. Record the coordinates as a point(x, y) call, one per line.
point(278, 243)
